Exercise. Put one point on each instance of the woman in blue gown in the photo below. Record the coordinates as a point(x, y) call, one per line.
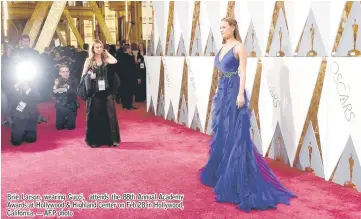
point(235, 168)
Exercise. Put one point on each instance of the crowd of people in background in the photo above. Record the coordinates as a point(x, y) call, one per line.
point(126, 78)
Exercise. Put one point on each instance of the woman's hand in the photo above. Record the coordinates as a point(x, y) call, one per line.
point(92, 75)
point(240, 101)
point(110, 59)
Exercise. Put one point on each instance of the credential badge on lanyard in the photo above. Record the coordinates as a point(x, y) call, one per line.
point(21, 106)
point(101, 84)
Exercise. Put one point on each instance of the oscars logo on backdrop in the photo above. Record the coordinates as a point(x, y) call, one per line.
point(351, 163)
point(191, 76)
point(252, 53)
point(274, 96)
point(280, 53)
point(166, 72)
point(309, 168)
point(342, 90)
point(312, 52)
point(354, 52)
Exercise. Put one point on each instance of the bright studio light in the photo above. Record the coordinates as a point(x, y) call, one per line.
point(25, 71)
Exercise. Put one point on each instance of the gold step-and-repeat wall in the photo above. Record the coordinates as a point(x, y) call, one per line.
point(303, 76)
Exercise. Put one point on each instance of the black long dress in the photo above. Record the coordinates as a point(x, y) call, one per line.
point(101, 119)
point(129, 75)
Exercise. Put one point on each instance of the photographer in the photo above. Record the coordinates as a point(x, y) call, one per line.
point(66, 99)
point(25, 53)
point(23, 100)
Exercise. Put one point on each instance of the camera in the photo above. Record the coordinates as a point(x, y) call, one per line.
point(62, 83)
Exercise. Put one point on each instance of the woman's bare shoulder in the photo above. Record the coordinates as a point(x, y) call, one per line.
point(239, 45)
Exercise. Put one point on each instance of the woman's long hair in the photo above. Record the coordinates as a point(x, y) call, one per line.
point(232, 22)
point(92, 54)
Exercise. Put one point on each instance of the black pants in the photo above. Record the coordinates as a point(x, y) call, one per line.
point(127, 92)
point(23, 130)
point(65, 117)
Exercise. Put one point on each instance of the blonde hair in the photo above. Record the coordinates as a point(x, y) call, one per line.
point(104, 56)
point(232, 22)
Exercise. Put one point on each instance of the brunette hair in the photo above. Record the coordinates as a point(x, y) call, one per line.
point(232, 22)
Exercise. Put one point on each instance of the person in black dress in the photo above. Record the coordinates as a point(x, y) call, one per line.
point(101, 119)
point(129, 77)
point(141, 91)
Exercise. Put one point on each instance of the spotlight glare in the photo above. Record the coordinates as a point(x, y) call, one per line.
point(25, 71)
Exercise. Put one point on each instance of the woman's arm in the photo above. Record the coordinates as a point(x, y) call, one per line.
point(242, 56)
point(86, 67)
point(111, 59)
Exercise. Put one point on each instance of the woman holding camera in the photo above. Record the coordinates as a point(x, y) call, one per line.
point(101, 119)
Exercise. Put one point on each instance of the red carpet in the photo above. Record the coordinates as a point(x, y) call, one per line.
point(155, 156)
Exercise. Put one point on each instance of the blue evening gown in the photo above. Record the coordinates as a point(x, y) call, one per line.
point(235, 168)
